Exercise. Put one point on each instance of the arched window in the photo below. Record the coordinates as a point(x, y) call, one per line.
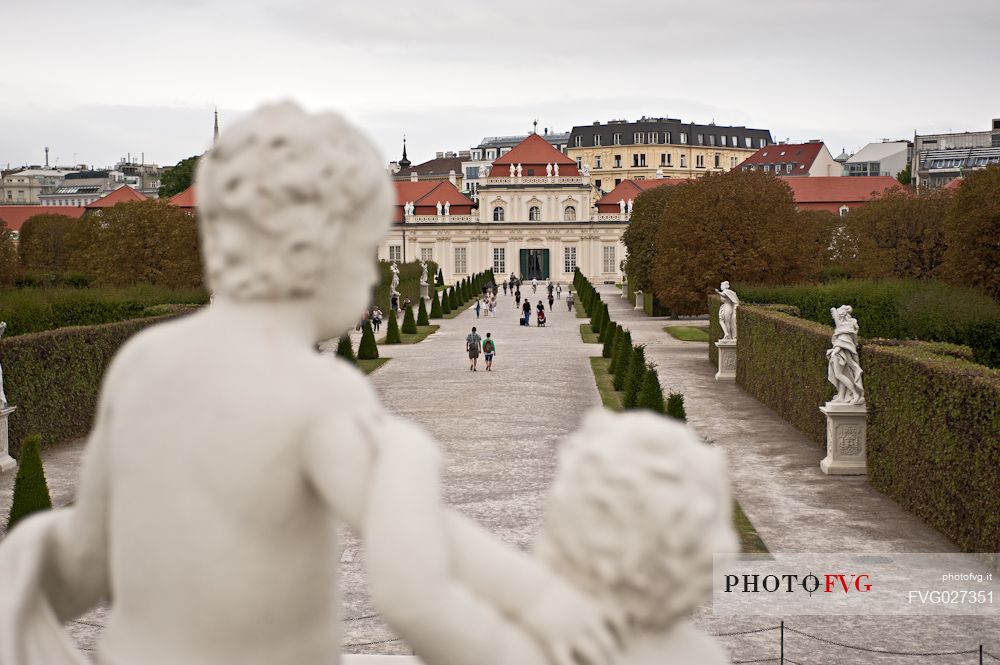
point(534, 214)
point(498, 214)
point(569, 214)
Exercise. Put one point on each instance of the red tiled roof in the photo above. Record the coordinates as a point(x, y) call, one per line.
point(534, 152)
point(183, 199)
point(801, 154)
point(831, 192)
point(15, 216)
point(120, 195)
point(425, 196)
point(630, 189)
point(439, 167)
point(954, 184)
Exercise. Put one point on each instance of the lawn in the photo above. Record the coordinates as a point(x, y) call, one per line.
point(589, 336)
point(423, 332)
point(687, 333)
point(750, 540)
point(369, 366)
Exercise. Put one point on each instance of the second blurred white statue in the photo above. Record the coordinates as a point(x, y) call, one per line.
point(638, 508)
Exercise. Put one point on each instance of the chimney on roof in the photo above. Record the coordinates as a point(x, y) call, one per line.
point(439, 155)
point(451, 178)
point(215, 135)
point(413, 176)
point(597, 123)
point(546, 131)
point(46, 157)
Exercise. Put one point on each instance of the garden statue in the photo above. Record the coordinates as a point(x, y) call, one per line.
point(423, 273)
point(632, 525)
point(621, 206)
point(447, 208)
point(555, 170)
point(519, 170)
point(439, 208)
point(3, 395)
point(629, 208)
point(727, 312)
point(513, 170)
point(844, 370)
point(394, 286)
point(194, 413)
point(548, 170)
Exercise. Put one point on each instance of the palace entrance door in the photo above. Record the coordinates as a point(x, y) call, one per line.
point(534, 264)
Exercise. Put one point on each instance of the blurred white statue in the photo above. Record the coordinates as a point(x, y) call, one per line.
point(439, 208)
point(629, 208)
point(555, 170)
point(621, 206)
point(548, 170)
point(447, 208)
point(638, 508)
point(513, 170)
point(204, 566)
point(844, 370)
point(727, 311)
point(519, 171)
point(3, 395)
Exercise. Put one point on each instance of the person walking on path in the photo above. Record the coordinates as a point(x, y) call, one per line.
point(526, 310)
point(489, 349)
point(473, 343)
point(517, 298)
point(505, 288)
point(376, 318)
point(493, 306)
point(549, 288)
point(479, 305)
point(569, 301)
point(551, 300)
point(534, 285)
point(558, 291)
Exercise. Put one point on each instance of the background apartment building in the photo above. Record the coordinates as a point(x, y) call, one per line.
point(940, 158)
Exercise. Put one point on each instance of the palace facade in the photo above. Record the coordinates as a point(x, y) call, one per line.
point(535, 217)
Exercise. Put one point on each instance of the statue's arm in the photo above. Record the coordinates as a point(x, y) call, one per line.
point(77, 575)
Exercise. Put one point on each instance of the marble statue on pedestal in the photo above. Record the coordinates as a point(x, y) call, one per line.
point(423, 272)
point(226, 452)
point(3, 395)
point(519, 170)
point(439, 208)
point(394, 285)
point(629, 208)
point(555, 170)
point(513, 170)
point(844, 369)
point(727, 311)
point(447, 208)
point(621, 206)
point(548, 170)
point(637, 510)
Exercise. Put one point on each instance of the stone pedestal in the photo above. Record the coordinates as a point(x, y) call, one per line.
point(638, 300)
point(7, 462)
point(424, 291)
point(727, 360)
point(846, 436)
point(625, 288)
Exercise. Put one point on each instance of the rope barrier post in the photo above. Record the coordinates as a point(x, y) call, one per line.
point(783, 643)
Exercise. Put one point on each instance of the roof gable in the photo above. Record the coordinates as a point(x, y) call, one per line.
point(183, 199)
point(803, 154)
point(535, 151)
point(121, 195)
point(16, 216)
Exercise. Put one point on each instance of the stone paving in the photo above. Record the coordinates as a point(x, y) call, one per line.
point(499, 431)
point(794, 506)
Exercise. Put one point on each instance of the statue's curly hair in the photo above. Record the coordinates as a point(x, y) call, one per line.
point(638, 508)
point(278, 196)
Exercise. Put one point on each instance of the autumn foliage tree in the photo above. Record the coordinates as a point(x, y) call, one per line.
point(138, 242)
point(972, 231)
point(898, 234)
point(736, 225)
point(640, 236)
point(43, 243)
point(10, 265)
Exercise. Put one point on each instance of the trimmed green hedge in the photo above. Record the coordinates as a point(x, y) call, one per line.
point(898, 309)
point(934, 438)
point(54, 377)
point(31, 310)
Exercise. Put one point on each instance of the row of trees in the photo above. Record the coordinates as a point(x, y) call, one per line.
point(632, 375)
point(149, 242)
point(745, 226)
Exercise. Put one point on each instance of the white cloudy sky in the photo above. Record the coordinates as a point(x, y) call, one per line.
point(95, 82)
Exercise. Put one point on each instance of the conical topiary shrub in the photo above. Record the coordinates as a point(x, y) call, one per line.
point(367, 349)
point(675, 406)
point(422, 319)
point(409, 323)
point(596, 321)
point(436, 306)
point(616, 348)
point(623, 363)
point(453, 298)
point(344, 348)
point(650, 395)
point(610, 334)
point(636, 373)
point(606, 326)
point(31, 492)
point(392, 330)
point(445, 303)
point(439, 280)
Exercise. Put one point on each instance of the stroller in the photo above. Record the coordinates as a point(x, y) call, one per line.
point(541, 319)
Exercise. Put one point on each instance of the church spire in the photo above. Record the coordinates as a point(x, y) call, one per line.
point(215, 136)
point(404, 163)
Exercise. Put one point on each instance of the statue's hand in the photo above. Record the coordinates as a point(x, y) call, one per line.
point(573, 628)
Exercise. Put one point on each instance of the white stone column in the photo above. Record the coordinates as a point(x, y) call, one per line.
point(638, 300)
point(727, 360)
point(846, 439)
point(7, 462)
